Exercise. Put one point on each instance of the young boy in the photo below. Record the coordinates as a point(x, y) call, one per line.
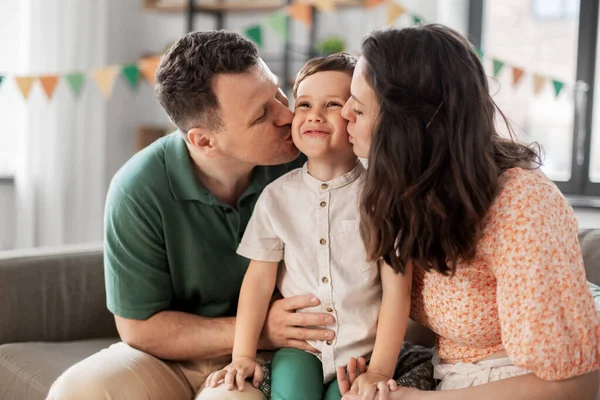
point(308, 219)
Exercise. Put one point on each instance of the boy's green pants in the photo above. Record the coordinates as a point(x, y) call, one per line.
point(298, 375)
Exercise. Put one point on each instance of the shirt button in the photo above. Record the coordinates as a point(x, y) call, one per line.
point(324, 186)
point(323, 242)
point(329, 342)
point(323, 204)
point(325, 279)
point(329, 309)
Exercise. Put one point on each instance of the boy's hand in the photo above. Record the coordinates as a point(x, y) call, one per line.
point(235, 374)
point(367, 385)
point(347, 376)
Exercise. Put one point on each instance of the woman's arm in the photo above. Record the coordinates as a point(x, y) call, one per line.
point(255, 297)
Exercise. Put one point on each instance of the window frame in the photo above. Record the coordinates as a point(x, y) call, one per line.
point(579, 184)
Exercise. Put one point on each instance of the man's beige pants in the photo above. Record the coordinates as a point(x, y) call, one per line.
point(124, 373)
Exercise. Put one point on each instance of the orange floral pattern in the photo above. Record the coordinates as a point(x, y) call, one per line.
point(524, 292)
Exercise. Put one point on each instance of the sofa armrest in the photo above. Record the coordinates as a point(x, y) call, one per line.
point(53, 294)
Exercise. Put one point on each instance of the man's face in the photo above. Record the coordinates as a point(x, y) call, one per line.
point(255, 118)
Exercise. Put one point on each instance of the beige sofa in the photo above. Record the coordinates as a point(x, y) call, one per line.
point(53, 313)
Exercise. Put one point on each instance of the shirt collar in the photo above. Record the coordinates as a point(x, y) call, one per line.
point(341, 181)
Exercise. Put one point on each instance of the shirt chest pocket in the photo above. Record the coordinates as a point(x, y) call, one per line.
point(349, 247)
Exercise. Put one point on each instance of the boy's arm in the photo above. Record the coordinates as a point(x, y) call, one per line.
point(255, 297)
point(393, 319)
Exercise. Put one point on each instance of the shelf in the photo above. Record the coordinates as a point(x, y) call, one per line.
point(232, 5)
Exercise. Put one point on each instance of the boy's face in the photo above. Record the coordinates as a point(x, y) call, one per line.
point(318, 129)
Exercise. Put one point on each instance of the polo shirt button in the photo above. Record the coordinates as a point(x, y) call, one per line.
point(323, 204)
point(329, 342)
point(324, 186)
point(329, 309)
point(325, 279)
point(323, 242)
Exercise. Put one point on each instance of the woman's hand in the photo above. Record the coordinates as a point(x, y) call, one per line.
point(235, 374)
point(372, 386)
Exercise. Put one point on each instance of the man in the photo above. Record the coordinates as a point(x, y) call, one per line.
point(174, 216)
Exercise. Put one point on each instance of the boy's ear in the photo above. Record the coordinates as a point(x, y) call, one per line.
point(203, 141)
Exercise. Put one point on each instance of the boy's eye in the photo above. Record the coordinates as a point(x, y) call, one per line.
point(303, 104)
point(334, 104)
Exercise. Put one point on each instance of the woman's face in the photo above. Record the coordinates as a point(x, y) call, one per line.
point(361, 111)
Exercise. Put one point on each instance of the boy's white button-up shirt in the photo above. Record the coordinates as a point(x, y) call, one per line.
point(313, 227)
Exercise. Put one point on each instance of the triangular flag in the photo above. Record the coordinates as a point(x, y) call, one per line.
point(49, 83)
point(558, 85)
point(517, 74)
point(373, 3)
point(278, 22)
point(417, 20)
point(75, 80)
point(301, 12)
point(324, 5)
point(480, 53)
point(132, 73)
point(147, 67)
point(25, 83)
point(394, 11)
point(1, 79)
point(497, 67)
point(105, 78)
point(255, 34)
point(538, 83)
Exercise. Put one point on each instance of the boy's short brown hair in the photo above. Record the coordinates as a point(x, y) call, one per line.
point(343, 62)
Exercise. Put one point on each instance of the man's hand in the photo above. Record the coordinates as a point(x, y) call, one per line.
point(235, 374)
point(284, 327)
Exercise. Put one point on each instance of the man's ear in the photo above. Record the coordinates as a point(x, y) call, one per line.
point(203, 140)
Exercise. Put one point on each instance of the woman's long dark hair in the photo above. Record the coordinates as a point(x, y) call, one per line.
point(435, 154)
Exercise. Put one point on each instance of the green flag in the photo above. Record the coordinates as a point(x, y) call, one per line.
point(497, 67)
point(1, 79)
point(255, 34)
point(417, 20)
point(278, 22)
point(558, 85)
point(75, 80)
point(132, 73)
point(480, 53)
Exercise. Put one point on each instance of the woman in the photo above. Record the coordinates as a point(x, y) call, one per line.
point(498, 272)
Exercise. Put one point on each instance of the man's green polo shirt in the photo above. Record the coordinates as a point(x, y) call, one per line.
point(169, 243)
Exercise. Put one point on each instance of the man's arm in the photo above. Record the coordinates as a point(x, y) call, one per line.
point(174, 335)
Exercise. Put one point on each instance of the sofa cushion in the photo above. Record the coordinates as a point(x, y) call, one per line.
point(27, 370)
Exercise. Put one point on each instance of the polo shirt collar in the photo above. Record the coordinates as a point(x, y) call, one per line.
point(320, 186)
point(184, 183)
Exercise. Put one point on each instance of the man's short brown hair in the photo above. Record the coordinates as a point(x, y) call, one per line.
point(185, 74)
point(342, 62)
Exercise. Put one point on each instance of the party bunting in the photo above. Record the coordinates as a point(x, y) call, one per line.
point(394, 11)
point(497, 67)
point(148, 67)
point(558, 85)
point(132, 73)
point(278, 22)
point(1, 79)
point(373, 3)
point(324, 5)
point(538, 83)
point(49, 83)
point(25, 83)
point(517, 74)
point(75, 80)
point(255, 34)
point(480, 53)
point(417, 20)
point(105, 78)
point(301, 12)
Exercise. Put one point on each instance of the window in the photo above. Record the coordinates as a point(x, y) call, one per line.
point(553, 43)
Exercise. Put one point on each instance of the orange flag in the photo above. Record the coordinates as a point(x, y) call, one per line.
point(538, 83)
point(517, 74)
point(25, 83)
point(372, 3)
point(105, 78)
point(301, 12)
point(148, 68)
point(325, 5)
point(49, 83)
point(394, 11)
